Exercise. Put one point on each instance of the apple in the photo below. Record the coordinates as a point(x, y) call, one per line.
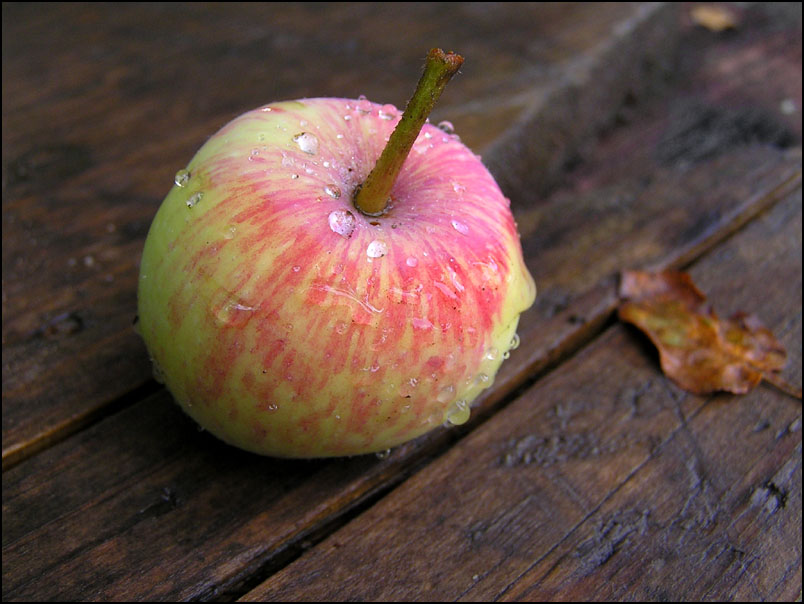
point(290, 318)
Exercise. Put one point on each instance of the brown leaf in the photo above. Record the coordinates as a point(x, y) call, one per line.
point(714, 17)
point(699, 351)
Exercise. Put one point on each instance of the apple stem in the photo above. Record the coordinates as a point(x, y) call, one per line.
point(373, 196)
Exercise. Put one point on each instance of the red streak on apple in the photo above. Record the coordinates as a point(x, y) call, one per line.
point(288, 323)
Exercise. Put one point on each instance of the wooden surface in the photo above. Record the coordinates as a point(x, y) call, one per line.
point(625, 136)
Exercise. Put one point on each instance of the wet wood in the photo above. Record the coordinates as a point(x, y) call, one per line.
point(112, 493)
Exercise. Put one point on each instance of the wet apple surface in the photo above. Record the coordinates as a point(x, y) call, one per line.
point(289, 323)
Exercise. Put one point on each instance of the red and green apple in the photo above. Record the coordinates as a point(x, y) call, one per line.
point(300, 298)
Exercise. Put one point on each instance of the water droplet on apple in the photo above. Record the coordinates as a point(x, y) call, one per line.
point(193, 200)
point(181, 178)
point(346, 118)
point(436, 417)
point(307, 142)
point(342, 222)
point(387, 112)
point(383, 454)
point(341, 327)
point(445, 395)
point(481, 380)
point(363, 104)
point(233, 312)
point(296, 268)
point(377, 249)
point(515, 342)
point(458, 187)
point(447, 127)
point(411, 261)
point(230, 231)
point(294, 176)
point(492, 353)
point(460, 227)
point(506, 354)
point(332, 190)
point(458, 413)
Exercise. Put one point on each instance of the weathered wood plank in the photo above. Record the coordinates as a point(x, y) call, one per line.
point(603, 481)
point(98, 115)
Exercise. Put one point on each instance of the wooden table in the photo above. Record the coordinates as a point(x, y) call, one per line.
point(626, 137)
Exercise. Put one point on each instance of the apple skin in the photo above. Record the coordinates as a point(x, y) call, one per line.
point(287, 323)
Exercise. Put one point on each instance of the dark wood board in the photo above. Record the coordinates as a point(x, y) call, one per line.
point(111, 493)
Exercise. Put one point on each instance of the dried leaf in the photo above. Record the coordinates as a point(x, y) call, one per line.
point(699, 351)
point(713, 17)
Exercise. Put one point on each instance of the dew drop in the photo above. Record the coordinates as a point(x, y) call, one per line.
point(383, 454)
point(515, 341)
point(342, 222)
point(377, 249)
point(387, 112)
point(363, 104)
point(446, 394)
point(447, 127)
point(193, 200)
point(181, 178)
point(307, 142)
point(234, 313)
point(411, 261)
point(294, 176)
point(491, 353)
point(506, 354)
point(229, 232)
point(333, 191)
point(458, 413)
point(296, 268)
point(341, 327)
point(460, 227)
point(481, 379)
